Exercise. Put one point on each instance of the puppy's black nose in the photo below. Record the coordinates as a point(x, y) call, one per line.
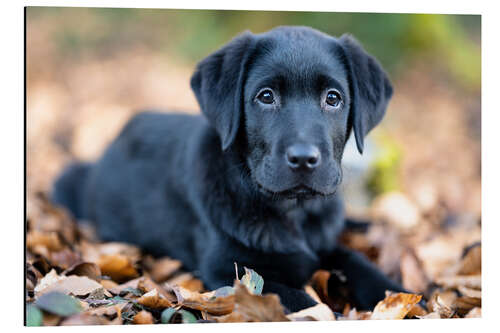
point(303, 156)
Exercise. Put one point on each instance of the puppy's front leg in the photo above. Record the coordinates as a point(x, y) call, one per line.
point(292, 298)
point(366, 283)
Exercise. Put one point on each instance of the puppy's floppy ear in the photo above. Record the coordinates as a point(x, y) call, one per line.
point(370, 88)
point(218, 86)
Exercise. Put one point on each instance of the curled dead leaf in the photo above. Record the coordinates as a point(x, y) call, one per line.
point(117, 266)
point(254, 308)
point(205, 302)
point(395, 306)
point(153, 299)
point(442, 303)
point(88, 269)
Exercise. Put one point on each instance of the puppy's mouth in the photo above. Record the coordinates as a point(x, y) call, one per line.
point(297, 192)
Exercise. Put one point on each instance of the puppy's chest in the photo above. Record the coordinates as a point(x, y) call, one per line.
point(319, 228)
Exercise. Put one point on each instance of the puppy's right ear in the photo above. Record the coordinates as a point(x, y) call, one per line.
point(218, 85)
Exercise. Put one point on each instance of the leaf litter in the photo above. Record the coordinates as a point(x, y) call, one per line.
point(114, 283)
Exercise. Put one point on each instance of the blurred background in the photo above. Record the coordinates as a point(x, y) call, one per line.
point(89, 70)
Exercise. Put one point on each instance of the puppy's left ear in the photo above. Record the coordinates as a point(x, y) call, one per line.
point(370, 88)
point(218, 85)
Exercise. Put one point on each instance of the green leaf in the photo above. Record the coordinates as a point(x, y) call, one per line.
point(187, 317)
point(253, 281)
point(59, 304)
point(167, 314)
point(224, 291)
point(171, 315)
point(34, 316)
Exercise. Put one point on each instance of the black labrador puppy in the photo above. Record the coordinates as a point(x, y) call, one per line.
point(254, 179)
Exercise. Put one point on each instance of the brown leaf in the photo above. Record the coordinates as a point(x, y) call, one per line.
point(474, 313)
point(64, 258)
point(395, 306)
point(187, 281)
point(108, 310)
point(109, 285)
point(442, 303)
point(153, 299)
point(92, 252)
point(464, 304)
point(254, 308)
point(318, 312)
point(412, 274)
point(144, 284)
point(143, 317)
point(354, 314)
point(205, 302)
point(49, 240)
point(431, 315)
point(469, 292)
point(74, 285)
point(469, 281)
point(471, 262)
point(416, 312)
point(117, 266)
point(87, 269)
point(163, 268)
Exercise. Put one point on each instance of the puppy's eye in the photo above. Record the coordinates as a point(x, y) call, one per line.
point(266, 96)
point(333, 98)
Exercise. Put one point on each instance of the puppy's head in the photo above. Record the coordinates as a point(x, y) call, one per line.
point(295, 94)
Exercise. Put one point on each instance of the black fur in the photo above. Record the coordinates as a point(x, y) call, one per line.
point(222, 188)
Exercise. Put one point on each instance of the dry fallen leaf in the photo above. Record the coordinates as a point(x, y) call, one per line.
point(474, 313)
point(73, 285)
point(117, 266)
point(469, 281)
point(442, 303)
point(318, 312)
point(109, 284)
point(164, 268)
point(254, 308)
point(88, 269)
point(187, 281)
point(471, 262)
point(395, 306)
point(412, 274)
point(354, 314)
point(153, 299)
point(49, 240)
point(143, 317)
point(205, 302)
